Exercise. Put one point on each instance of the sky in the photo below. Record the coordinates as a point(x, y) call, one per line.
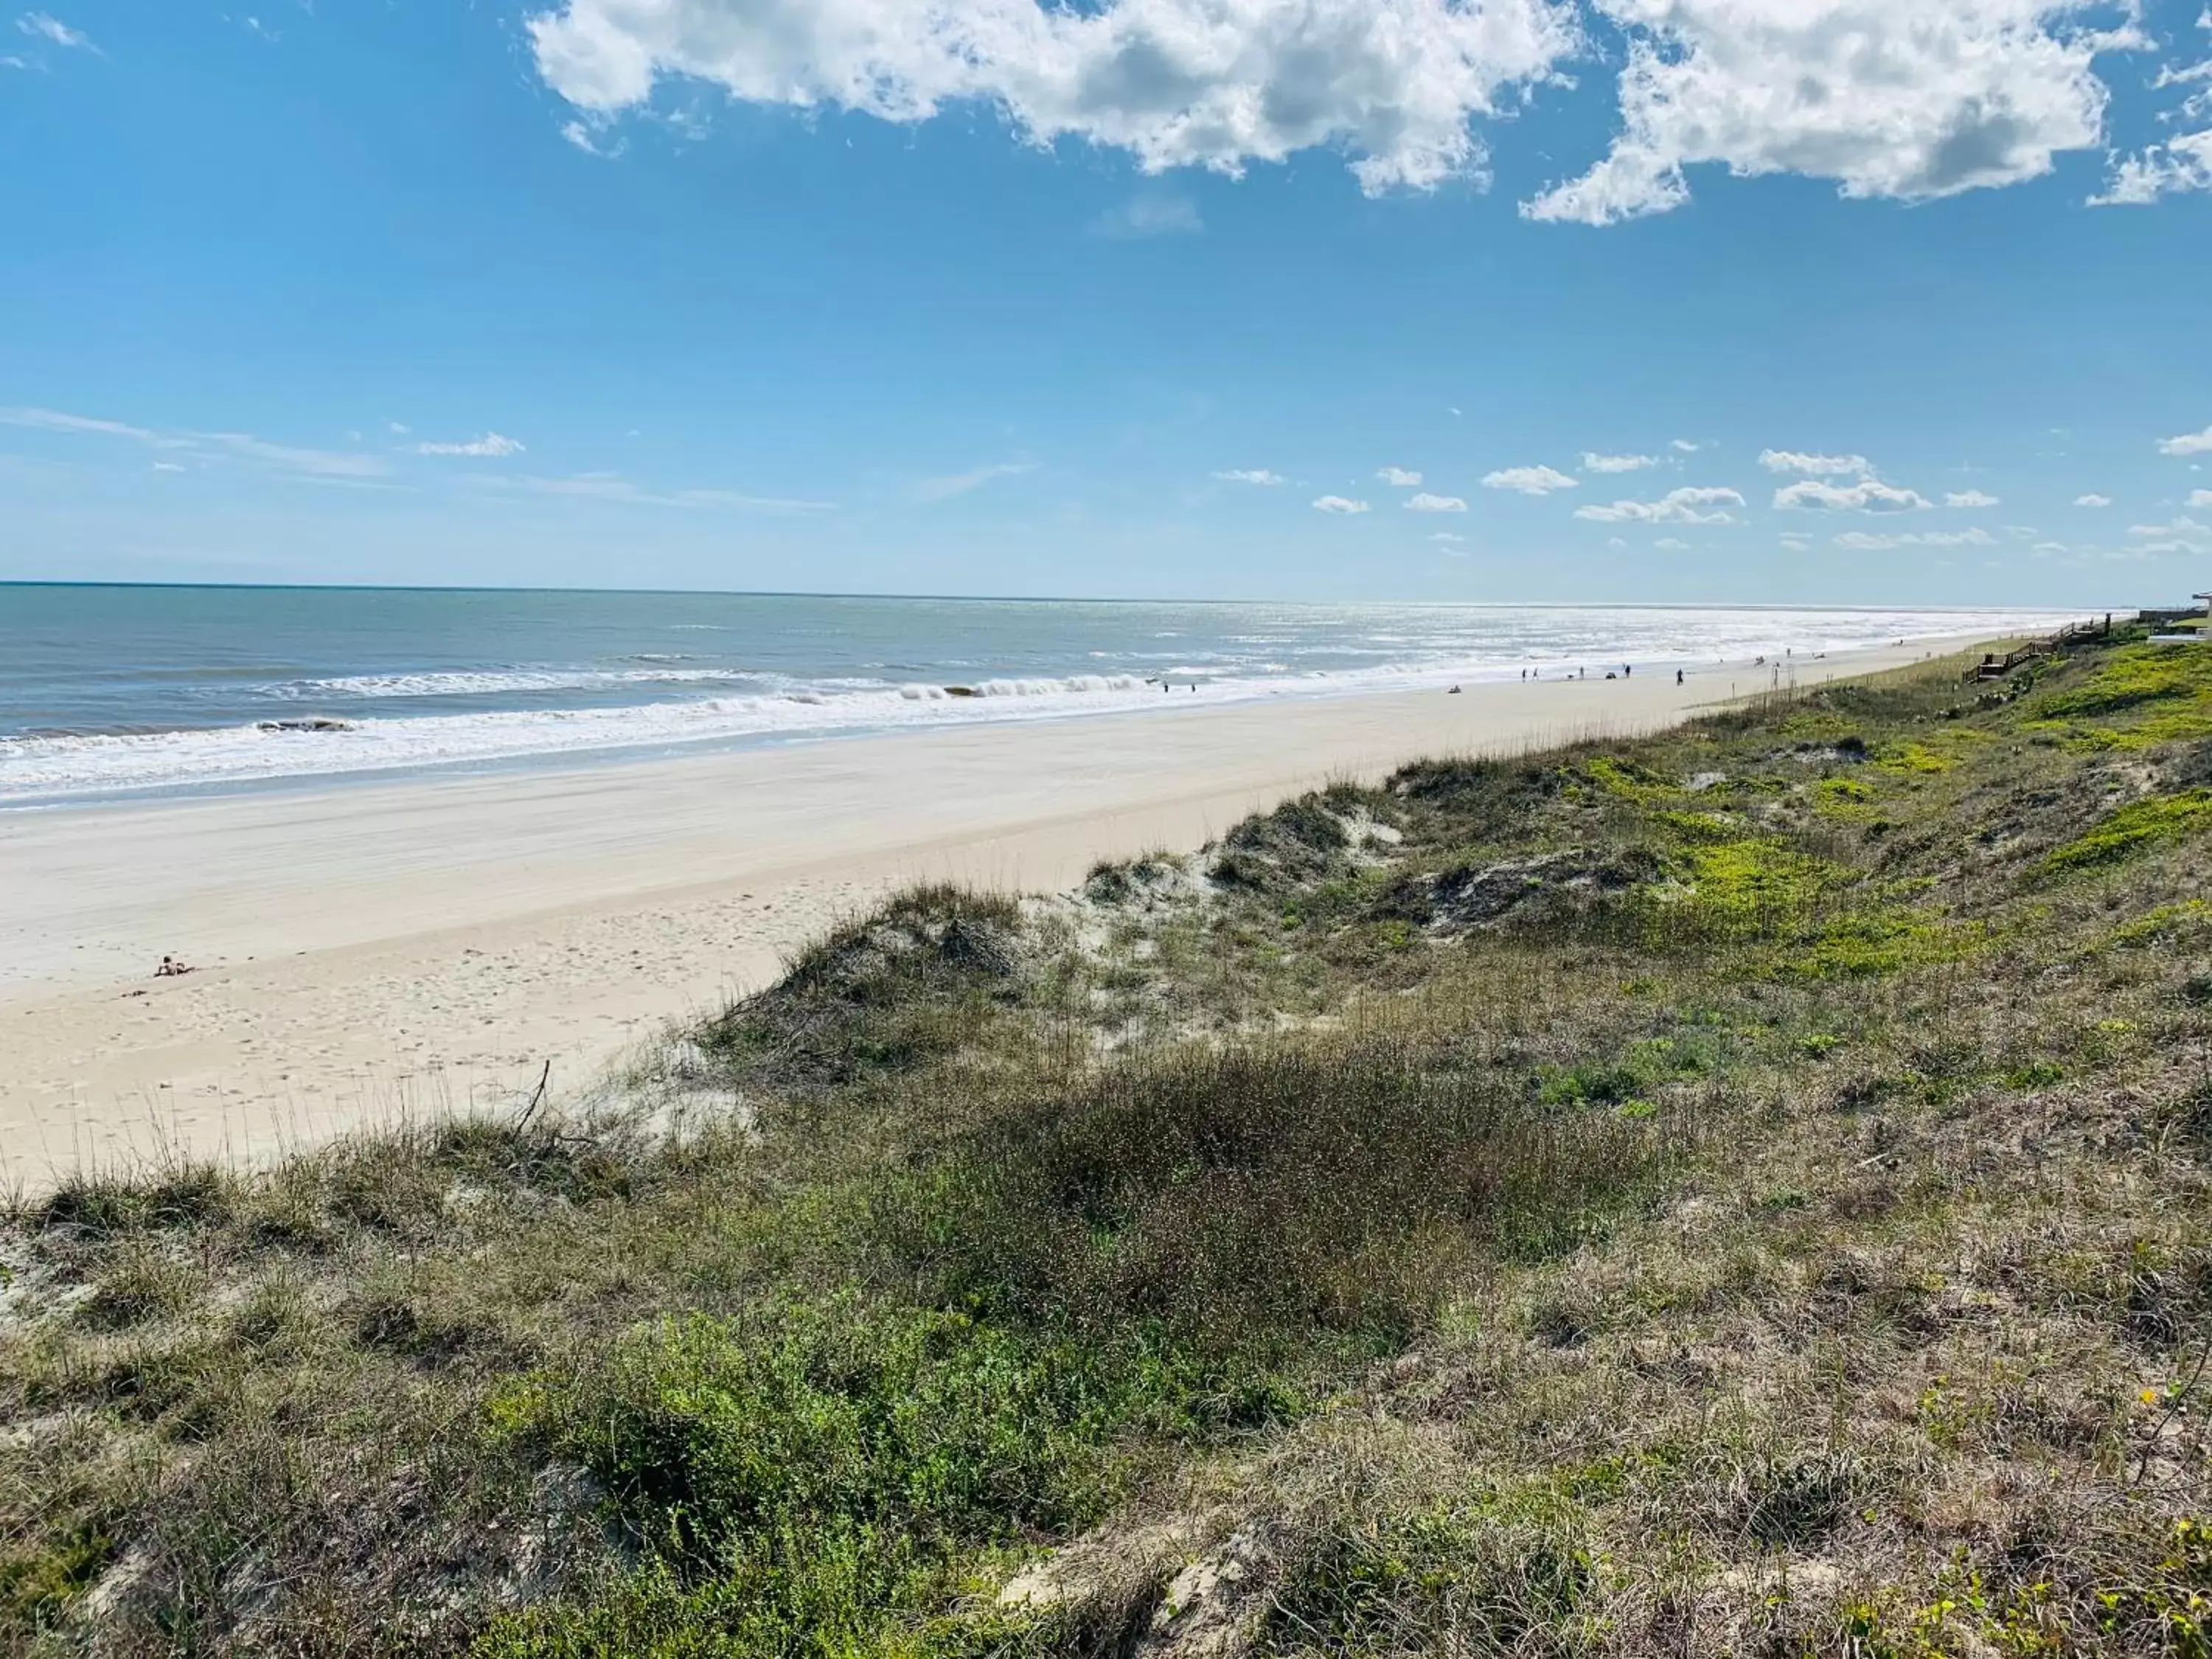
point(1758, 301)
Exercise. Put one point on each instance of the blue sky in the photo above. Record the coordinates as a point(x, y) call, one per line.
point(1754, 300)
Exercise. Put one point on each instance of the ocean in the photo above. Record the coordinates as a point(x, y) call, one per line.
point(113, 692)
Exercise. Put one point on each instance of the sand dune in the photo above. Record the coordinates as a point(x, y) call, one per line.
point(366, 949)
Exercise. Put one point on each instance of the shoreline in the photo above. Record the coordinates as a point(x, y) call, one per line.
point(310, 732)
point(386, 947)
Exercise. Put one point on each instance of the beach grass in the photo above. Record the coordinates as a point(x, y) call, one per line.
point(1738, 1191)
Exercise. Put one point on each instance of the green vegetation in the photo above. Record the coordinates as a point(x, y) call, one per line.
point(2136, 826)
point(1743, 1191)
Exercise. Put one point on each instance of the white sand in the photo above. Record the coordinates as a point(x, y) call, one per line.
point(367, 949)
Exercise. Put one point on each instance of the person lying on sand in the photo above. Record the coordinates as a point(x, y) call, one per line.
point(171, 966)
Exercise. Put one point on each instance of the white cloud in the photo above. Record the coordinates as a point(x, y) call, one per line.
point(490, 445)
point(2181, 535)
point(399, 428)
point(1338, 504)
point(54, 420)
point(1149, 214)
point(1250, 475)
point(1685, 447)
point(1615, 541)
point(1859, 541)
point(1617, 463)
point(1796, 543)
point(1215, 83)
point(2093, 499)
point(1819, 466)
point(959, 483)
point(587, 139)
point(2189, 443)
point(1897, 99)
point(2181, 164)
point(1447, 538)
point(40, 26)
point(2181, 525)
point(167, 466)
point(1671, 544)
point(1425, 502)
point(1866, 496)
point(1398, 476)
point(1969, 498)
point(613, 487)
point(2200, 498)
point(1529, 480)
point(325, 464)
point(1676, 507)
point(315, 463)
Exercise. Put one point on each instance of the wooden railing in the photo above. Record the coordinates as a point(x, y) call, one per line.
point(1993, 666)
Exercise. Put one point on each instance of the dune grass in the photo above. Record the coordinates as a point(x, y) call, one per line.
point(1741, 1191)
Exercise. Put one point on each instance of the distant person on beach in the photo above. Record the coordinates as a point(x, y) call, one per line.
point(1678, 677)
point(171, 966)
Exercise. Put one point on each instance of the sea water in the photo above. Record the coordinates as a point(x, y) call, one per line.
point(118, 691)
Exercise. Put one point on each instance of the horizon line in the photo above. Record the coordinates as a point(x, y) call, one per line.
point(1017, 598)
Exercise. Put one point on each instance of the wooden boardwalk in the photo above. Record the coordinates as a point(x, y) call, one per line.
point(1995, 667)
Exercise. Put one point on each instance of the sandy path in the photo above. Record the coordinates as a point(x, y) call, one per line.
point(365, 950)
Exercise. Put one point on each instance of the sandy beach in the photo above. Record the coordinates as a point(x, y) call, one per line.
point(368, 950)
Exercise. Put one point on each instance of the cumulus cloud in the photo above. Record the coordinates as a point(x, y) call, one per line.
point(2200, 498)
point(1676, 507)
point(1617, 463)
point(1529, 480)
point(1215, 83)
point(1250, 475)
point(1399, 476)
point(2188, 443)
point(1338, 504)
point(2184, 162)
point(1684, 446)
point(1860, 541)
point(1446, 538)
point(1866, 496)
point(1895, 99)
point(2093, 499)
point(1818, 467)
point(1425, 502)
point(491, 445)
point(1969, 498)
point(1795, 542)
point(1671, 544)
